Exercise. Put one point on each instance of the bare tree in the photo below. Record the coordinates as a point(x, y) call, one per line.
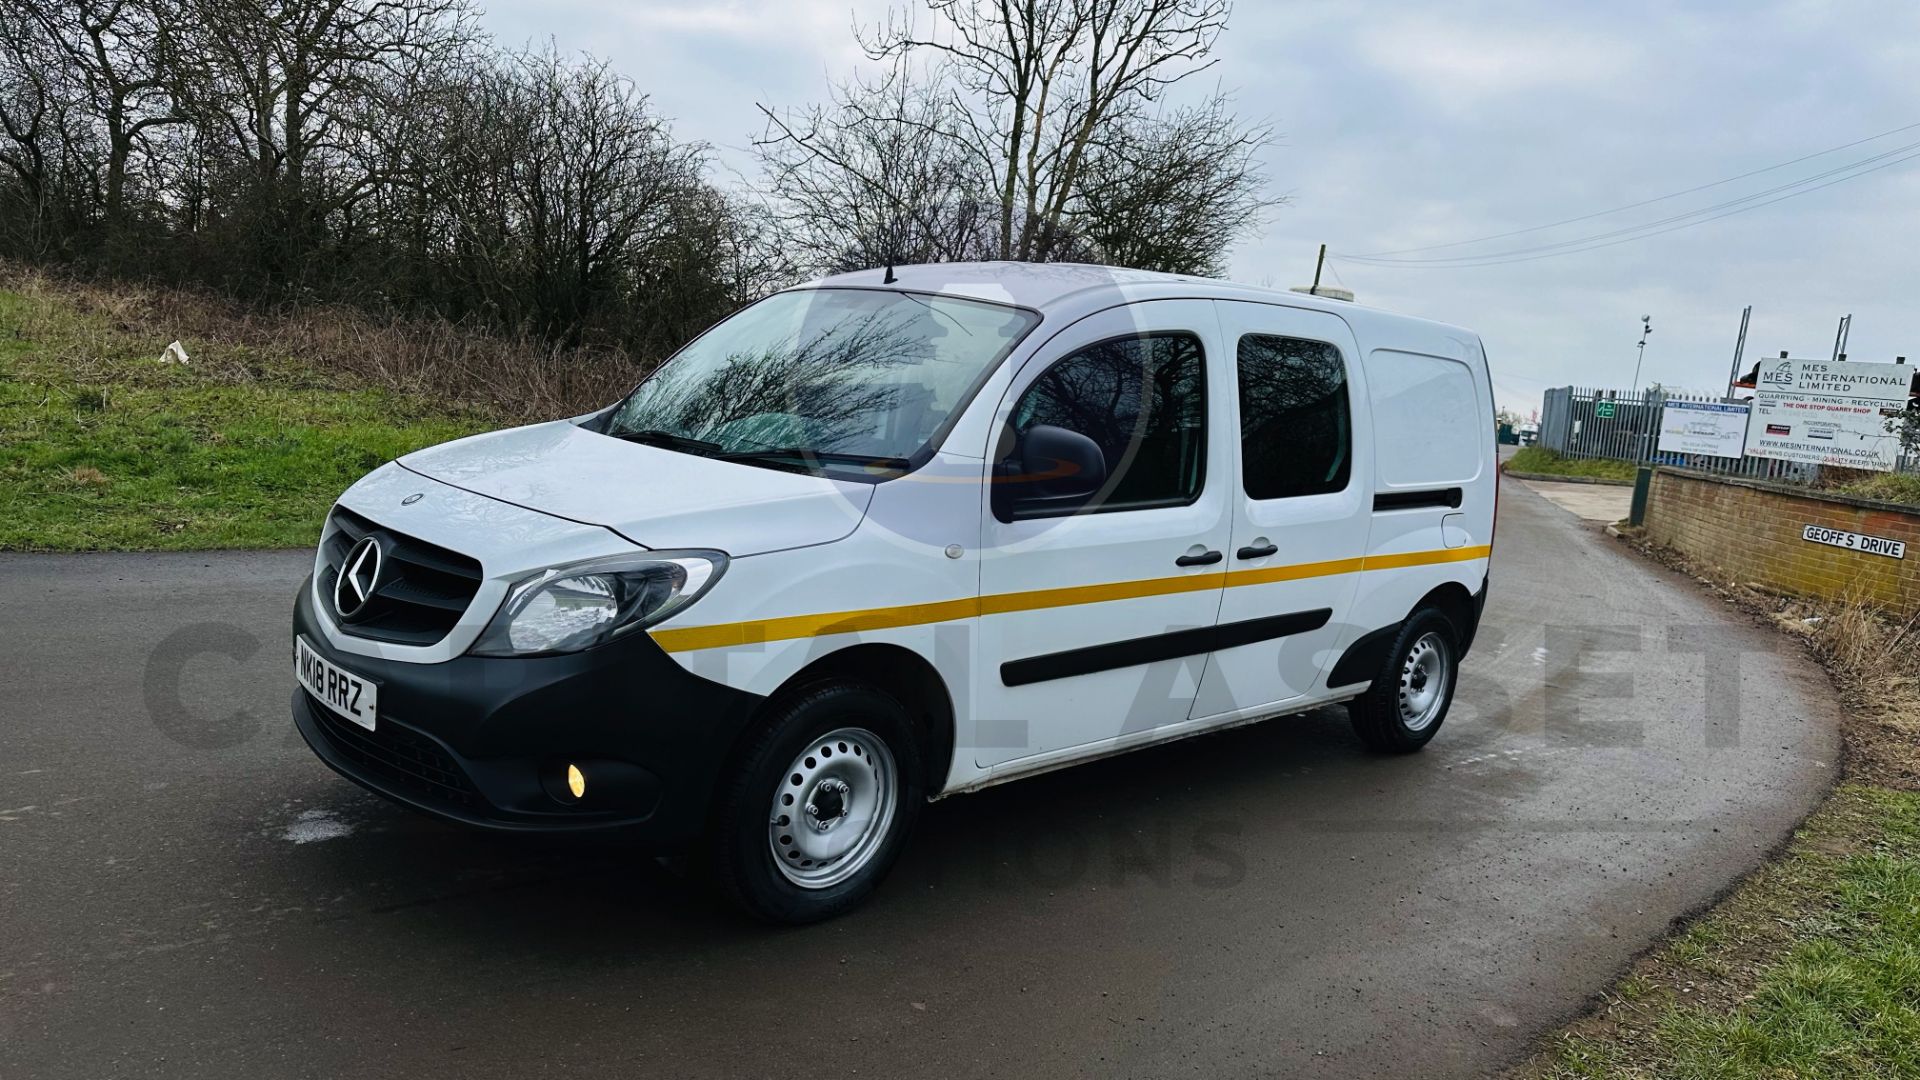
point(287, 78)
point(567, 196)
point(883, 175)
point(751, 252)
point(123, 55)
point(33, 104)
point(1043, 78)
point(1172, 193)
point(1045, 117)
point(381, 152)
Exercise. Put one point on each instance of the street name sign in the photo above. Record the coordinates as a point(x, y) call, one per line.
point(1853, 541)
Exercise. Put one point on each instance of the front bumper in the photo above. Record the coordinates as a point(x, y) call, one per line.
point(486, 740)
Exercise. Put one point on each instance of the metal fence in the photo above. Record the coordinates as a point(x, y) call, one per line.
point(1584, 422)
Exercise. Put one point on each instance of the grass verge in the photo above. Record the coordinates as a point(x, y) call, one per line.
point(1885, 487)
point(104, 445)
point(1539, 459)
point(1811, 967)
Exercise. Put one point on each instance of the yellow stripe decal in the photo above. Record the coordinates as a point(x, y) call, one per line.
point(682, 639)
point(688, 638)
point(1002, 603)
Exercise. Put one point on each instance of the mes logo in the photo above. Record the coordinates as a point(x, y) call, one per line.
point(1780, 375)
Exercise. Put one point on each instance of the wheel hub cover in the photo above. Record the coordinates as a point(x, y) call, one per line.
point(827, 806)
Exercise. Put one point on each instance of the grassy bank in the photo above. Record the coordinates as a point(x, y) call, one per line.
point(1811, 968)
point(1539, 459)
point(103, 445)
point(1886, 487)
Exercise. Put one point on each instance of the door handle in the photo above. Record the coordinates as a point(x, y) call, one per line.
point(1205, 558)
point(1260, 552)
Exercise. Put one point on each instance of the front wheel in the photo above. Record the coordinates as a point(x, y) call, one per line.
point(1411, 693)
point(819, 805)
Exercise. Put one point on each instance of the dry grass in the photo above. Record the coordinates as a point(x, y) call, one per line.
point(515, 379)
point(1887, 487)
point(1874, 657)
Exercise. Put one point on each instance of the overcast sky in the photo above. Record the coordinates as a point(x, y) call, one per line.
point(1406, 123)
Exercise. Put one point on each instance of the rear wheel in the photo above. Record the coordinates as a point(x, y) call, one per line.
point(819, 805)
point(1413, 689)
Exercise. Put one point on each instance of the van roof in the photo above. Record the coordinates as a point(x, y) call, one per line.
point(1034, 285)
point(1049, 286)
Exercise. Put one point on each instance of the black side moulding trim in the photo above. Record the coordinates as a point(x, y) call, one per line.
point(1407, 500)
point(1168, 646)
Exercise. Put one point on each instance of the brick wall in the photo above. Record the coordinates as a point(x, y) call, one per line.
point(1751, 531)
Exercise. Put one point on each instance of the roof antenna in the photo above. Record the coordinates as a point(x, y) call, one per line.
point(889, 279)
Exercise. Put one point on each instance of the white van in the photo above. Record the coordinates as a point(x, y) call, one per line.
point(894, 536)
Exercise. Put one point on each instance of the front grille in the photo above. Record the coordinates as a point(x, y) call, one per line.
point(404, 758)
point(423, 589)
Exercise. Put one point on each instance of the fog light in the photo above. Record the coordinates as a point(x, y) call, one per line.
point(576, 781)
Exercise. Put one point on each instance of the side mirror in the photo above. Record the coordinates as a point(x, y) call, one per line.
point(1057, 471)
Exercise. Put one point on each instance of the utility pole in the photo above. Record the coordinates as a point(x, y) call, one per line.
point(1739, 348)
point(1646, 327)
point(1317, 264)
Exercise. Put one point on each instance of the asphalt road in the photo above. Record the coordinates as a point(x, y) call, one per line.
point(185, 891)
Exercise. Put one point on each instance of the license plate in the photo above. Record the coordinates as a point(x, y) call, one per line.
point(338, 689)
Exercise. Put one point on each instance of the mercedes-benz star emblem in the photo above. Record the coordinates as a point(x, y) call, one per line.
point(359, 576)
point(413, 498)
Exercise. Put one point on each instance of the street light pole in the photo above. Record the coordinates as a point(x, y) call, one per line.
point(1646, 327)
point(1646, 419)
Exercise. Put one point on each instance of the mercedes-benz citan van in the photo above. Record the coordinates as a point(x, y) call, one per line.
point(897, 535)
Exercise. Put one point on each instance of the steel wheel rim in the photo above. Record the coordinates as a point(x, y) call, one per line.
point(1424, 678)
point(832, 808)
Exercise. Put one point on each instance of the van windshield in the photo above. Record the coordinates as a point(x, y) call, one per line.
point(818, 378)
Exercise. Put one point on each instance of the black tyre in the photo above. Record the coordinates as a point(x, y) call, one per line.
point(819, 805)
point(1413, 689)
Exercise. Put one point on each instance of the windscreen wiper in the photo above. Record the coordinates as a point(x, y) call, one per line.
point(807, 456)
point(667, 439)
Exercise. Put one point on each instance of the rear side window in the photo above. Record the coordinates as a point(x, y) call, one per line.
point(1296, 428)
point(1143, 399)
point(1430, 424)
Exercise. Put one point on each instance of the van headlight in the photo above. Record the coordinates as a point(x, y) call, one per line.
point(579, 605)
